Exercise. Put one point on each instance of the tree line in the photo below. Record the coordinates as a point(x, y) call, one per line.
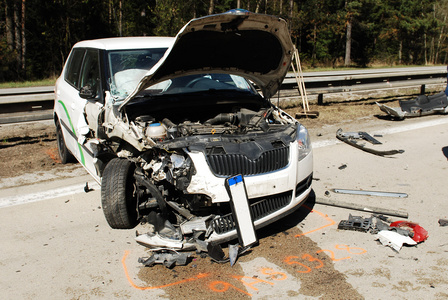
point(36, 36)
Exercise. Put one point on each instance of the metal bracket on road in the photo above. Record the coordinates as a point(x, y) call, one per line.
point(370, 193)
point(361, 135)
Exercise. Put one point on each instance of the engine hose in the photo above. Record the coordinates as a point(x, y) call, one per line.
point(153, 190)
point(221, 118)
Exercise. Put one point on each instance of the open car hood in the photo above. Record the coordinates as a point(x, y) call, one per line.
point(255, 46)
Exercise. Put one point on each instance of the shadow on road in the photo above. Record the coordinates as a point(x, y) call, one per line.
point(445, 151)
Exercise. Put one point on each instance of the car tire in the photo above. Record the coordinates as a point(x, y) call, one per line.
point(117, 194)
point(64, 153)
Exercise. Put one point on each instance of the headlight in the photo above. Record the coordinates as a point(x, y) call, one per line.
point(304, 143)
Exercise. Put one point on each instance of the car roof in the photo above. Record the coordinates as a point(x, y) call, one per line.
point(120, 43)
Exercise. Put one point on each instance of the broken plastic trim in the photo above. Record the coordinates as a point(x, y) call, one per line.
point(169, 260)
point(352, 142)
point(421, 106)
point(356, 223)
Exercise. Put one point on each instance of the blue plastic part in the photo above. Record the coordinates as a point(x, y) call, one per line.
point(235, 180)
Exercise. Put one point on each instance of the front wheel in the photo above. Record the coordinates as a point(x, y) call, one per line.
point(117, 194)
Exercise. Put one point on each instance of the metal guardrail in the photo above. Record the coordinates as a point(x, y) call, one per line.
point(21, 95)
point(37, 99)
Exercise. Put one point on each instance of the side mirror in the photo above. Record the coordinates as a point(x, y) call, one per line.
point(87, 92)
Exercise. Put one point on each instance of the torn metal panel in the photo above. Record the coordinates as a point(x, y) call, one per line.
point(421, 106)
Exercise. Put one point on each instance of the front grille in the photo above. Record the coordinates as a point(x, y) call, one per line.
point(259, 208)
point(231, 164)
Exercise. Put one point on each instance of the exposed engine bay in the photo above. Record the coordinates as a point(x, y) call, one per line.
point(168, 165)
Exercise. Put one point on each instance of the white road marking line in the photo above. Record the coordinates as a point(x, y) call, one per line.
point(45, 195)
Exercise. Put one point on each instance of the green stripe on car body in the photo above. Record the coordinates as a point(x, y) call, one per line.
point(81, 153)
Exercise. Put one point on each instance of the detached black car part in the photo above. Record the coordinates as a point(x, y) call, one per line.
point(421, 106)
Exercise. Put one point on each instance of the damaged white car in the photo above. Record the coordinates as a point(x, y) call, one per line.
point(180, 132)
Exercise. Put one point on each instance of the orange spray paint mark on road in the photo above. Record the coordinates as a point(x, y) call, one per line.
point(331, 222)
point(225, 287)
point(123, 261)
point(53, 154)
point(274, 275)
point(245, 280)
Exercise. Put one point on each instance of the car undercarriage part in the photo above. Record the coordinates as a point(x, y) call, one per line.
point(360, 207)
point(421, 106)
point(166, 258)
point(352, 142)
point(356, 223)
point(370, 193)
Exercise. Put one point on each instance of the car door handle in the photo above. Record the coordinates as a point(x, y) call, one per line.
point(72, 106)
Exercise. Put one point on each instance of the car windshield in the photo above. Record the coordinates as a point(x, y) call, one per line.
point(127, 68)
point(199, 83)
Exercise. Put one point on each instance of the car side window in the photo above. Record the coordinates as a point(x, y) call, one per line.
point(90, 73)
point(74, 66)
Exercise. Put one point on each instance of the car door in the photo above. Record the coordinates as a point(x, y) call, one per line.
point(81, 86)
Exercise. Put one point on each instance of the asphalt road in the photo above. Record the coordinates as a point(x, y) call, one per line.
point(55, 243)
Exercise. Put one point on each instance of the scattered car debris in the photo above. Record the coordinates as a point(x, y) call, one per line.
point(394, 235)
point(86, 188)
point(216, 253)
point(361, 207)
point(374, 224)
point(443, 222)
point(351, 140)
point(380, 226)
point(356, 223)
point(421, 106)
point(166, 258)
point(361, 135)
point(382, 218)
point(419, 233)
point(342, 167)
point(370, 193)
point(394, 239)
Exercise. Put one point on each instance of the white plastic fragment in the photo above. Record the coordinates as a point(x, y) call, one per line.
point(156, 241)
point(394, 239)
